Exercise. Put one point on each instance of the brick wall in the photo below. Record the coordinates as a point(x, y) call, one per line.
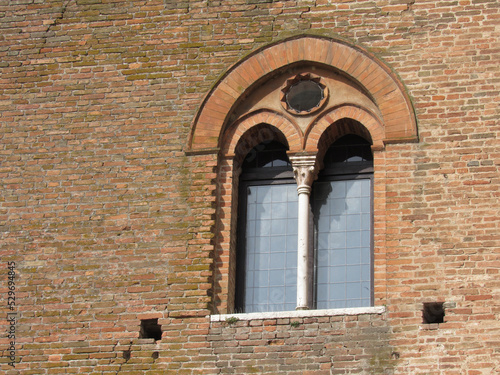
point(312, 345)
point(109, 221)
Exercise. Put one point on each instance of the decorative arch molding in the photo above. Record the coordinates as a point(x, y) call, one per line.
point(231, 139)
point(347, 111)
point(398, 117)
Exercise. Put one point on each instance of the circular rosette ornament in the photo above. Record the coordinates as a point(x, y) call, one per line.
point(303, 94)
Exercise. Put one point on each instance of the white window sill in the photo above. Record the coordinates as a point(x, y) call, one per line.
point(299, 314)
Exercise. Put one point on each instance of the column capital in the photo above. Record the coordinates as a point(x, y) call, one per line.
point(305, 171)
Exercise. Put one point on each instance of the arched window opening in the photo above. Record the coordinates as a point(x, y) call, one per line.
point(343, 214)
point(341, 203)
point(266, 270)
point(254, 120)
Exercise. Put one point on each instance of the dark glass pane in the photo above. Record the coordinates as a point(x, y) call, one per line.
point(304, 96)
point(350, 148)
point(267, 155)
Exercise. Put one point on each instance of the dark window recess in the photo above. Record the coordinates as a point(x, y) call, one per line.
point(433, 312)
point(150, 329)
point(349, 149)
point(269, 154)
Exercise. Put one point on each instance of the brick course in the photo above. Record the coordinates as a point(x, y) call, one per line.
point(110, 221)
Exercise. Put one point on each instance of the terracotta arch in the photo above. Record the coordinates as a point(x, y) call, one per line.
point(291, 132)
point(399, 122)
point(361, 115)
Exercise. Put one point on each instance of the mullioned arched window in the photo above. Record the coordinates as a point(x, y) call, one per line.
point(323, 111)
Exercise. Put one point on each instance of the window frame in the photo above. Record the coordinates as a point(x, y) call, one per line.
point(252, 177)
point(345, 171)
point(261, 176)
point(365, 175)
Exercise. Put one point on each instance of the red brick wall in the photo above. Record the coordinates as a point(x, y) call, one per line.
point(314, 345)
point(109, 221)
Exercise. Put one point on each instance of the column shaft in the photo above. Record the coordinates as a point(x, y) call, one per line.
point(305, 173)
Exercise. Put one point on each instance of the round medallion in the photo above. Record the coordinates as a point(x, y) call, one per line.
point(303, 94)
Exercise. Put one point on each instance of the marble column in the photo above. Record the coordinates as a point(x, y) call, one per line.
point(305, 172)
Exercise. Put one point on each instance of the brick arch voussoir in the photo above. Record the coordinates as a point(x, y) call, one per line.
point(399, 120)
point(288, 128)
point(316, 130)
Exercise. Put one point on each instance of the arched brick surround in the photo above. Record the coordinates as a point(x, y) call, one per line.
point(231, 124)
point(369, 120)
point(398, 119)
point(289, 129)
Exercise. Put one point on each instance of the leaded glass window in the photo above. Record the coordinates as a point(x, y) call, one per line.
point(342, 207)
point(267, 246)
point(341, 203)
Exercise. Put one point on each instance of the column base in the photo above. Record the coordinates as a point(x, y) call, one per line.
point(302, 308)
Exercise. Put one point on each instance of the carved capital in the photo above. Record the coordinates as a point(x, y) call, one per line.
point(305, 172)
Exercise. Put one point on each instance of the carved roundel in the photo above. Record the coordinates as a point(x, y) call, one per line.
point(303, 94)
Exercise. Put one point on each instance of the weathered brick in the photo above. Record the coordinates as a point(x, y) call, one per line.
point(111, 221)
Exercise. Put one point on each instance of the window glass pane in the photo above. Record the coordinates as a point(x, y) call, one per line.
point(337, 274)
point(349, 149)
point(276, 278)
point(353, 256)
point(343, 243)
point(267, 155)
point(277, 259)
point(278, 210)
point(292, 228)
point(337, 222)
point(262, 228)
point(278, 226)
point(262, 211)
point(291, 276)
point(261, 245)
point(365, 238)
point(336, 294)
point(278, 193)
point(263, 194)
point(353, 239)
point(353, 188)
point(337, 240)
point(322, 240)
point(291, 257)
point(337, 257)
point(271, 249)
point(365, 221)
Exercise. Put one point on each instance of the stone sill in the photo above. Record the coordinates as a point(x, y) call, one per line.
point(299, 314)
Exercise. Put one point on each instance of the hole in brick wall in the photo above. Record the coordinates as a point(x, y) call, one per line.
point(433, 312)
point(259, 1)
point(150, 329)
point(126, 355)
point(155, 355)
